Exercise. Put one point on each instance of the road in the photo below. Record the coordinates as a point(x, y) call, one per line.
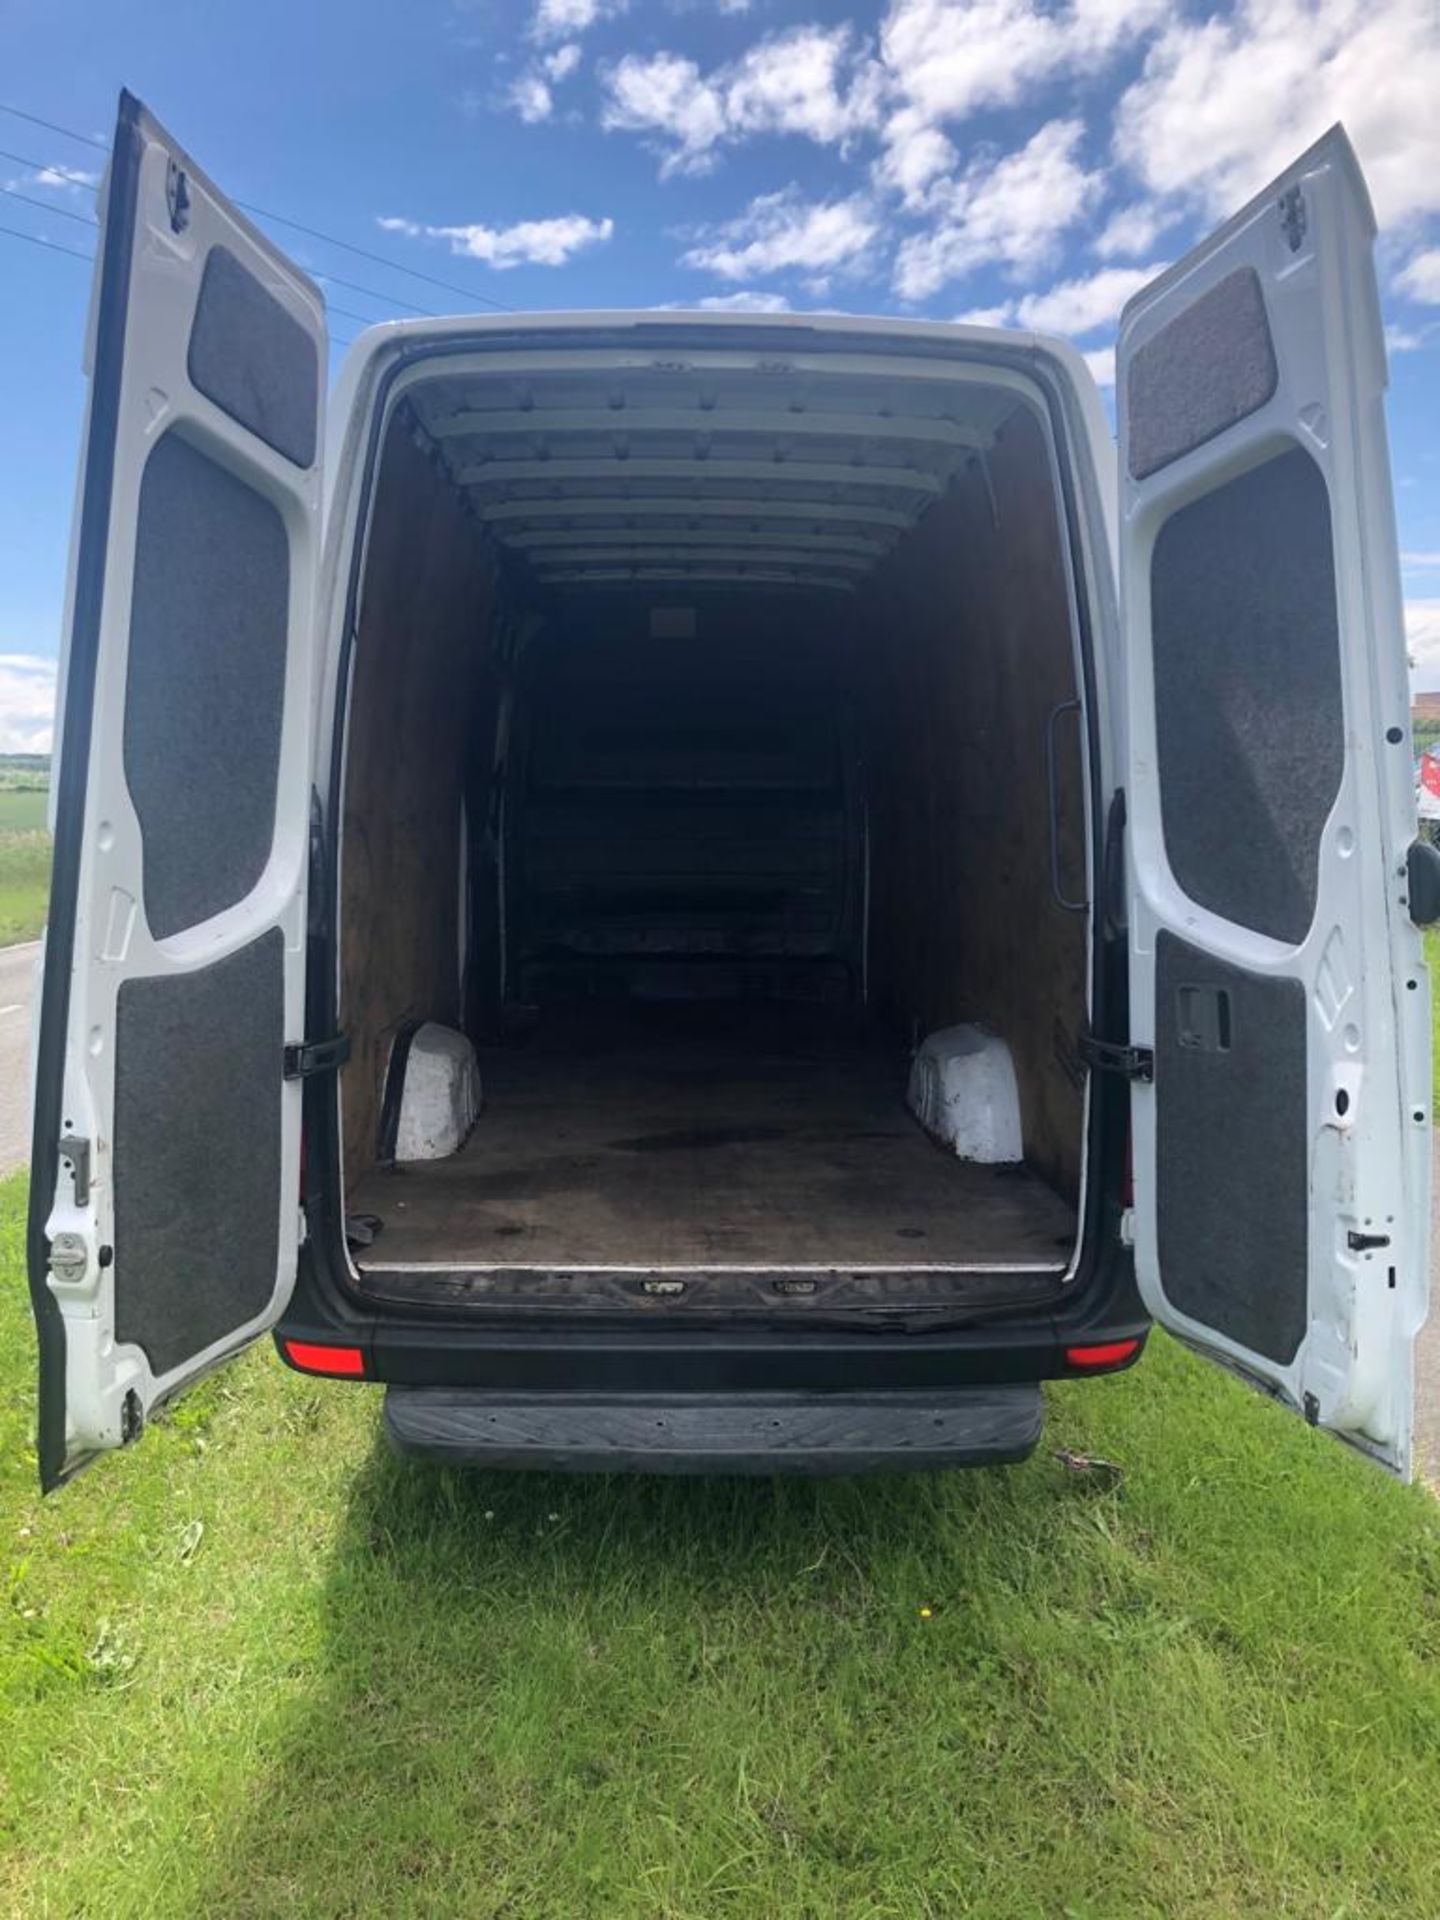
point(16, 988)
point(16, 967)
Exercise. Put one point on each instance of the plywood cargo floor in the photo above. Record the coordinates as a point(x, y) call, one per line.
point(682, 1139)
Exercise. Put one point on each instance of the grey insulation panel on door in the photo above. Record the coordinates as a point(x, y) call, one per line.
point(204, 683)
point(254, 359)
point(198, 1089)
point(1211, 366)
point(1249, 702)
point(1232, 1147)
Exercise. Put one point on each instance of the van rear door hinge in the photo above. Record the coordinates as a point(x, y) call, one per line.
point(1112, 1056)
point(310, 1057)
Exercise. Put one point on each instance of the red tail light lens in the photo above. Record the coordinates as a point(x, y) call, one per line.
point(1098, 1359)
point(311, 1357)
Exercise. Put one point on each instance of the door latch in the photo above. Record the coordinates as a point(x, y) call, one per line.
point(69, 1257)
point(309, 1057)
point(1114, 1056)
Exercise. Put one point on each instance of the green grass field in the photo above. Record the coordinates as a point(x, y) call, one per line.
point(24, 863)
point(258, 1668)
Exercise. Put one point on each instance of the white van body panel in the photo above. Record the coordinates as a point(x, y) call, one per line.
point(177, 225)
point(1304, 247)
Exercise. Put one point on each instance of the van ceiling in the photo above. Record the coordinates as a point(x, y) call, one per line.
point(721, 472)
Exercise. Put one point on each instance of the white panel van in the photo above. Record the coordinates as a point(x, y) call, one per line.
point(729, 892)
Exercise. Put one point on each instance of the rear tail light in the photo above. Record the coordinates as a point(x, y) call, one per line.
point(1103, 1357)
point(311, 1357)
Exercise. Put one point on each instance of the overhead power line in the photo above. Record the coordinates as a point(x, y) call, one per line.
point(74, 253)
point(85, 139)
point(264, 213)
point(88, 186)
point(49, 206)
point(54, 246)
point(348, 313)
point(375, 294)
point(67, 174)
point(378, 258)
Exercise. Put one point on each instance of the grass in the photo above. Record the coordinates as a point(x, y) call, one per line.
point(22, 809)
point(257, 1667)
point(24, 863)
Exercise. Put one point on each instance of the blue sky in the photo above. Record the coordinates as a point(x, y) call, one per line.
point(1026, 160)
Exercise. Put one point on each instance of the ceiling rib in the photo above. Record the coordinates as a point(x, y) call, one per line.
point(664, 555)
point(868, 545)
point(585, 506)
point(692, 576)
point(774, 426)
point(494, 473)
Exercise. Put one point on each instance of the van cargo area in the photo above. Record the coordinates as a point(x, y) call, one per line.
point(712, 739)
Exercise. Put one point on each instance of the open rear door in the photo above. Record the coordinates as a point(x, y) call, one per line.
point(165, 1163)
point(1282, 1149)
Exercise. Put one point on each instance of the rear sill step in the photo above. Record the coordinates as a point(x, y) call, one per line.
point(760, 1433)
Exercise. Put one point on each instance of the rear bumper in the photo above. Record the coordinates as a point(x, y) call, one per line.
point(754, 1433)
point(476, 1353)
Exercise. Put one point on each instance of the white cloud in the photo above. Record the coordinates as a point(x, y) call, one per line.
point(806, 81)
point(536, 243)
point(1073, 308)
point(1400, 339)
point(1132, 231)
point(915, 155)
point(1013, 211)
point(1422, 641)
point(937, 62)
point(666, 95)
point(1224, 103)
point(949, 58)
point(531, 94)
point(531, 98)
point(1420, 562)
point(27, 703)
point(780, 232)
point(1419, 278)
point(750, 300)
point(560, 64)
point(1082, 306)
point(559, 19)
point(802, 82)
point(64, 180)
